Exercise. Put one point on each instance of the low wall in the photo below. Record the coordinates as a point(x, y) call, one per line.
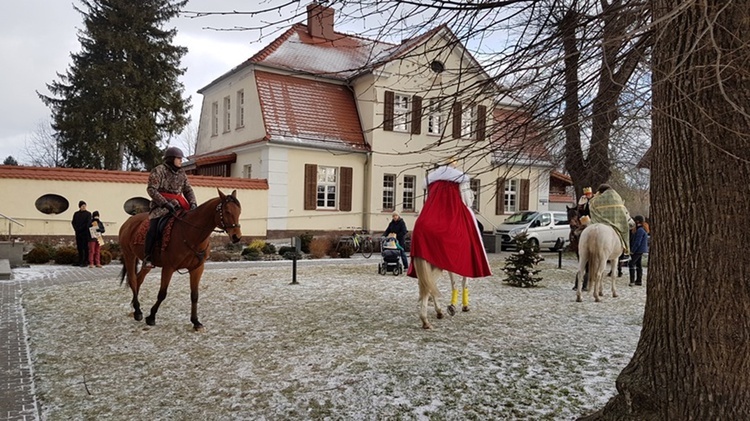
point(13, 251)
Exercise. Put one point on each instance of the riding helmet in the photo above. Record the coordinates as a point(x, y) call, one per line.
point(173, 152)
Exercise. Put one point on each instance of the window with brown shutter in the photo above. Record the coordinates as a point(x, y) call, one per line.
point(388, 111)
point(500, 196)
point(523, 200)
point(456, 120)
point(311, 186)
point(481, 122)
point(416, 114)
point(345, 201)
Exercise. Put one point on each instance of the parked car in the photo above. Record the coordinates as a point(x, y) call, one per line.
point(543, 229)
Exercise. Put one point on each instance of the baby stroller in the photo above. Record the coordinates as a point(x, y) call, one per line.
point(391, 257)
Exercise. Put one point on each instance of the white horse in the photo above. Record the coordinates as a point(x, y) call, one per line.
point(428, 290)
point(598, 245)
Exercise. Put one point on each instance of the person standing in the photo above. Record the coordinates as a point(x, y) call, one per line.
point(95, 232)
point(169, 190)
point(638, 246)
point(397, 226)
point(81, 222)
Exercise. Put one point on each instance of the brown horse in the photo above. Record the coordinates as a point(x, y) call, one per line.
point(187, 248)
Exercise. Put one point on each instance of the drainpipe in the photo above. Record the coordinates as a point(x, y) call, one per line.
point(366, 182)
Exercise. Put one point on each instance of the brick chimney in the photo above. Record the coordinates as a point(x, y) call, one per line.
point(320, 21)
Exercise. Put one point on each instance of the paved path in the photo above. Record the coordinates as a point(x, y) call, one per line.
point(17, 395)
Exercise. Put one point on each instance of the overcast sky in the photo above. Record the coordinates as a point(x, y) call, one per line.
point(38, 36)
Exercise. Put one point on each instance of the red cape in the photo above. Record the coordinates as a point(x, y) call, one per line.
point(446, 234)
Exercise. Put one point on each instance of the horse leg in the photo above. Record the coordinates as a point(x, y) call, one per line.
point(582, 262)
point(426, 275)
point(195, 280)
point(130, 272)
point(166, 277)
point(465, 295)
point(454, 295)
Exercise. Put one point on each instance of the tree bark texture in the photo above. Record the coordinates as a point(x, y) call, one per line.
point(692, 361)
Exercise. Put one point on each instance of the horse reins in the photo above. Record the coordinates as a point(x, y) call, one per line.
point(220, 210)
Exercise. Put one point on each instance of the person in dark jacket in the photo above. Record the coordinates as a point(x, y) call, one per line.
point(638, 246)
point(81, 222)
point(398, 226)
point(95, 233)
point(169, 190)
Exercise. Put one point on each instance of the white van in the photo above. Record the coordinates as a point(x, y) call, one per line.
point(542, 227)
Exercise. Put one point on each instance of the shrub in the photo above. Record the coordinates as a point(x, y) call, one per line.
point(285, 249)
point(306, 239)
point(251, 254)
point(113, 249)
point(66, 255)
point(105, 257)
point(320, 247)
point(38, 255)
point(290, 255)
point(255, 247)
point(345, 251)
point(221, 256)
point(268, 248)
point(233, 247)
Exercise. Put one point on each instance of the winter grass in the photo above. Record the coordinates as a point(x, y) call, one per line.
point(346, 343)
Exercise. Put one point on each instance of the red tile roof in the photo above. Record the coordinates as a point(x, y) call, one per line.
point(216, 159)
point(128, 177)
point(308, 112)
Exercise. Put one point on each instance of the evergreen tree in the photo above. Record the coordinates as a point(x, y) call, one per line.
point(519, 266)
point(10, 161)
point(121, 97)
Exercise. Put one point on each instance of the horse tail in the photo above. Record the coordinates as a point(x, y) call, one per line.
point(426, 278)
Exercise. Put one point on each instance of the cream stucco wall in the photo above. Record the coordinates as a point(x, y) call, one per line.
point(253, 128)
point(106, 197)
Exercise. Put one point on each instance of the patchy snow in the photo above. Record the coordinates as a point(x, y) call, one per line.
point(346, 343)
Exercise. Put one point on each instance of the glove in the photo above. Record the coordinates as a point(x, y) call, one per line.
point(193, 206)
point(171, 207)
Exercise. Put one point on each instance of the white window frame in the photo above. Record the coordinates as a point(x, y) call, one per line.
point(215, 118)
point(327, 188)
point(435, 118)
point(389, 192)
point(468, 121)
point(247, 171)
point(475, 186)
point(240, 108)
point(227, 113)
point(410, 184)
point(510, 195)
point(401, 108)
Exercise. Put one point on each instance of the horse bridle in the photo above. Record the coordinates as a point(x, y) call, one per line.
point(220, 210)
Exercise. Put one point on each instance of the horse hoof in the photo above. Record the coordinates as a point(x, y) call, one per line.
point(199, 328)
point(614, 295)
point(440, 315)
point(138, 316)
point(452, 310)
point(465, 309)
point(426, 326)
point(579, 300)
point(151, 321)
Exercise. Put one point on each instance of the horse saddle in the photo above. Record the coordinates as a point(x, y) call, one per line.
point(163, 232)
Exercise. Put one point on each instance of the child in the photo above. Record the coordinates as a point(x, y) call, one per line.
point(638, 246)
point(95, 241)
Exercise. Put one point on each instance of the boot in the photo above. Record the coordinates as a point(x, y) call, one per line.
point(149, 246)
point(632, 276)
point(639, 276)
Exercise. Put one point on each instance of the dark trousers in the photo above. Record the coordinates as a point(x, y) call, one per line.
point(404, 260)
point(636, 269)
point(151, 237)
point(82, 244)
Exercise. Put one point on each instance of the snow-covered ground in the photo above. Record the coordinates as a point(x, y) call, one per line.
point(346, 343)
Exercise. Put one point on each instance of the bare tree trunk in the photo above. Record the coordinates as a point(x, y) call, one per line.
point(693, 358)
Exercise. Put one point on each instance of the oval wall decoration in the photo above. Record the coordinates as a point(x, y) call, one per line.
point(51, 204)
point(136, 205)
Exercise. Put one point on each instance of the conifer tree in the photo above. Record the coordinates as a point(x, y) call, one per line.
point(519, 266)
point(121, 97)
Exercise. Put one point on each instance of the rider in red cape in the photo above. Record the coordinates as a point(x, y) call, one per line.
point(446, 232)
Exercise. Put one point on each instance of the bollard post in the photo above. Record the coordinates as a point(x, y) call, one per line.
point(297, 244)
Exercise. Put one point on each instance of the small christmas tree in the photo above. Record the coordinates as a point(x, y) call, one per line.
point(519, 266)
